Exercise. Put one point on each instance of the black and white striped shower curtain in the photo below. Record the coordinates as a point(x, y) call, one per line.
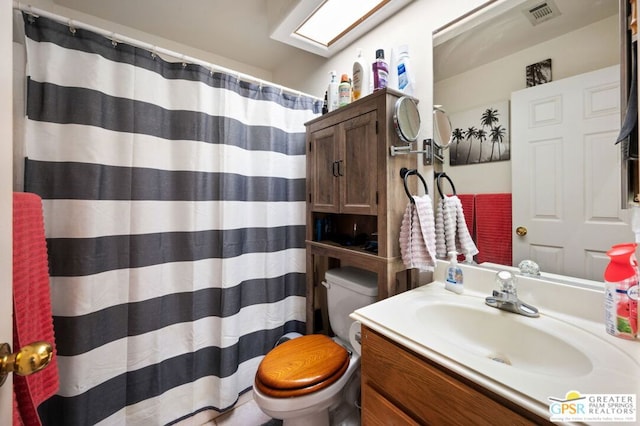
point(174, 213)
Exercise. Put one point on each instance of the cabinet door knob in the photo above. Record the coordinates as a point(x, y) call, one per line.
point(339, 171)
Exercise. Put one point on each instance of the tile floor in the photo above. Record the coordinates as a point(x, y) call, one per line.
point(246, 413)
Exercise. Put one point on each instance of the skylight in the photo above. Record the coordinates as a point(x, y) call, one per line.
point(335, 18)
point(325, 27)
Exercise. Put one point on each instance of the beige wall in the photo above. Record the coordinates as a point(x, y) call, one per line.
point(50, 6)
point(577, 52)
point(580, 51)
point(413, 25)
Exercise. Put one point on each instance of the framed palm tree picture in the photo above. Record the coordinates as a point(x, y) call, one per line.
point(480, 135)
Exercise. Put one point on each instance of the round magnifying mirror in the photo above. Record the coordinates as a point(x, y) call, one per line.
point(406, 119)
point(442, 133)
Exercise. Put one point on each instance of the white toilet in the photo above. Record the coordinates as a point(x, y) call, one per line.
point(314, 380)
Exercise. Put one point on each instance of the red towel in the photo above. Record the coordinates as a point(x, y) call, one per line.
point(33, 320)
point(493, 228)
point(17, 420)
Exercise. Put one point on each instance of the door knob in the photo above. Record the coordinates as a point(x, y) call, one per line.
point(521, 231)
point(28, 360)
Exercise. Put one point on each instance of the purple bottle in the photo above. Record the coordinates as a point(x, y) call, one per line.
point(380, 71)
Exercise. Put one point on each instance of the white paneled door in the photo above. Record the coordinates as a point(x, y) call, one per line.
point(566, 174)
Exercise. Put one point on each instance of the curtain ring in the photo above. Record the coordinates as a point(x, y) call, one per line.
point(31, 17)
point(184, 63)
point(154, 55)
point(114, 43)
point(72, 28)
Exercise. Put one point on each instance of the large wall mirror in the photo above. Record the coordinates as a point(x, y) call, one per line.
point(521, 59)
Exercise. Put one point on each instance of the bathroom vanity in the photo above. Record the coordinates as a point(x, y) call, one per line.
point(400, 386)
point(430, 356)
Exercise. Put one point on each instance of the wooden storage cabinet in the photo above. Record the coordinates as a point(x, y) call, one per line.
point(342, 158)
point(324, 195)
point(400, 387)
point(354, 184)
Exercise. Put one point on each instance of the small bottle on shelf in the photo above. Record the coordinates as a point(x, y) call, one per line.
point(380, 71)
point(344, 91)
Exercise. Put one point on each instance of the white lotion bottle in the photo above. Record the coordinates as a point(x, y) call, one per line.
point(332, 93)
point(360, 77)
point(453, 279)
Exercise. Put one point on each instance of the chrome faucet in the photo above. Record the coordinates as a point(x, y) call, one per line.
point(507, 297)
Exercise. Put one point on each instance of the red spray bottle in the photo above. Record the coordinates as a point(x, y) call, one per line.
point(621, 291)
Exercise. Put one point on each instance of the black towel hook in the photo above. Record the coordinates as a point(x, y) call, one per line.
point(404, 174)
point(444, 175)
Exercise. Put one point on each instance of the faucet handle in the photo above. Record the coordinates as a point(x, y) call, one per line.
point(507, 297)
point(507, 282)
point(529, 267)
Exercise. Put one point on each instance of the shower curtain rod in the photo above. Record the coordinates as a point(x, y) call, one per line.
point(119, 38)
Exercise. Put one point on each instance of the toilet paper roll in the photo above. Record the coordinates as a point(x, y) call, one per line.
point(354, 336)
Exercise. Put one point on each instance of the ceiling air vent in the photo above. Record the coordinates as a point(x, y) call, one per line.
point(541, 11)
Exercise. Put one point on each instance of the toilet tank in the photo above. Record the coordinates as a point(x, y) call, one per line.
point(348, 289)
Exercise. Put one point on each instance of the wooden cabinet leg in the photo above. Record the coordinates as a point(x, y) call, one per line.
point(310, 293)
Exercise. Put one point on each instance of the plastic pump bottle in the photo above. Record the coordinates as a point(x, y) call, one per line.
point(360, 78)
point(454, 275)
point(325, 106)
point(380, 71)
point(344, 91)
point(332, 93)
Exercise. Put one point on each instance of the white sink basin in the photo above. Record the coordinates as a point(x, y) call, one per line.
point(503, 337)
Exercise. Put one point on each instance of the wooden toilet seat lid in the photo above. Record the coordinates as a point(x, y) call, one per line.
point(302, 365)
